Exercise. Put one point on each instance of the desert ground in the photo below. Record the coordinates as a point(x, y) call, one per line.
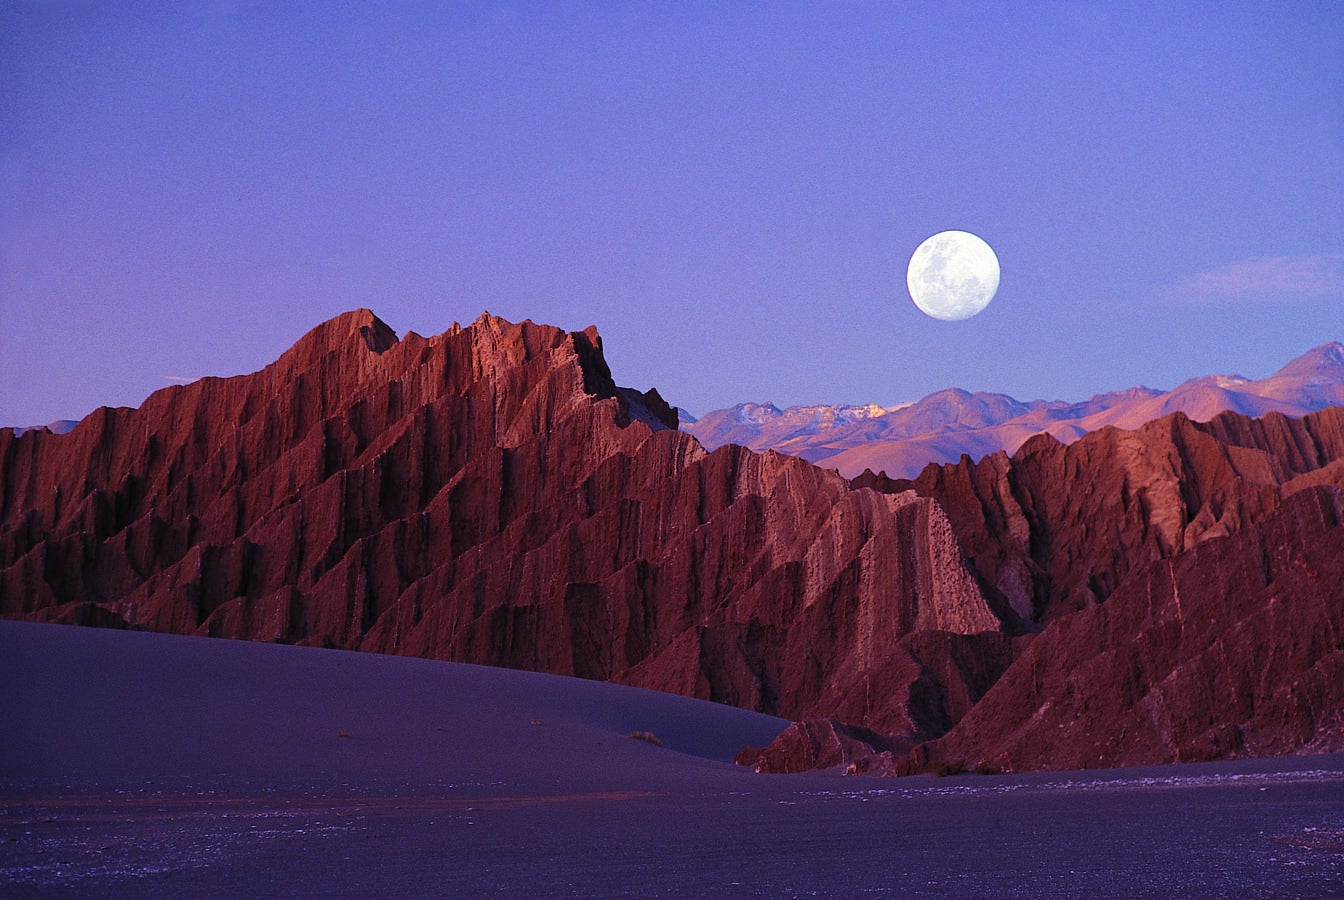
point(134, 764)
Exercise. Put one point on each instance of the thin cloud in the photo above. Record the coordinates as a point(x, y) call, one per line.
point(181, 379)
point(1266, 279)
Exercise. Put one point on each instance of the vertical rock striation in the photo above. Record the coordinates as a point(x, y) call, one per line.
point(1233, 648)
point(491, 496)
point(1057, 528)
point(1188, 578)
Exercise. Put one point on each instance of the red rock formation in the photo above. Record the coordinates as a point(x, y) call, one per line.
point(1234, 648)
point(1190, 578)
point(1058, 528)
point(939, 676)
point(823, 744)
point(490, 496)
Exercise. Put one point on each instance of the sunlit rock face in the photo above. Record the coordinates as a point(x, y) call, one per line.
point(1230, 649)
point(1058, 528)
point(1190, 578)
point(489, 495)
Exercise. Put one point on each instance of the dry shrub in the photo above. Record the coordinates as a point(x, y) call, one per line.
point(645, 736)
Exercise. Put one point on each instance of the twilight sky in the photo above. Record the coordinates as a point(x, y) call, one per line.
point(729, 191)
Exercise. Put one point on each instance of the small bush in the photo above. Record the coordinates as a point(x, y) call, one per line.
point(645, 736)
point(987, 769)
point(859, 766)
point(343, 733)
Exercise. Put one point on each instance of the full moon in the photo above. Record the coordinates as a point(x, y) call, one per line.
point(952, 275)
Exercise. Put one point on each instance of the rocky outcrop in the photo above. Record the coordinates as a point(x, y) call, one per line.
point(823, 744)
point(937, 675)
point(1058, 528)
point(1187, 576)
point(1234, 648)
point(491, 496)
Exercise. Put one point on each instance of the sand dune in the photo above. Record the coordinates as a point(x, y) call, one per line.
point(135, 764)
point(90, 703)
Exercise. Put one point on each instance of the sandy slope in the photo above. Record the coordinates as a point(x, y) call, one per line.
point(135, 764)
point(88, 704)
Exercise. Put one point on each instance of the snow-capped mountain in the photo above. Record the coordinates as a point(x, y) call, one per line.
point(901, 440)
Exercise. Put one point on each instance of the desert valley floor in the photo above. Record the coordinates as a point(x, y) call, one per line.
point(136, 764)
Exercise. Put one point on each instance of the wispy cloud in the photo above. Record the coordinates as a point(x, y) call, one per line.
point(181, 379)
point(1265, 279)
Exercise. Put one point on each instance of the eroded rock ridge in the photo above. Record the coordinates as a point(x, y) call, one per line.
point(490, 496)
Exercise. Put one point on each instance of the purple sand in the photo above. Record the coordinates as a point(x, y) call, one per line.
point(135, 764)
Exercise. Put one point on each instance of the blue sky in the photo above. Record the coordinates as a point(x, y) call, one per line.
point(729, 191)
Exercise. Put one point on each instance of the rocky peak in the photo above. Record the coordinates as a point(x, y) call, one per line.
point(1325, 361)
point(487, 495)
point(358, 327)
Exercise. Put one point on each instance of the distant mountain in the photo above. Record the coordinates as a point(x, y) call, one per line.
point(941, 427)
point(765, 425)
point(60, 426)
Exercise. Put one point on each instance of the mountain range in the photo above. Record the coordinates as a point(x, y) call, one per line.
point(60, 426)
point(899, 441)
point(490, 495)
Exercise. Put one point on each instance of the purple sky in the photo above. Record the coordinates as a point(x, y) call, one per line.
point(730, 191)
